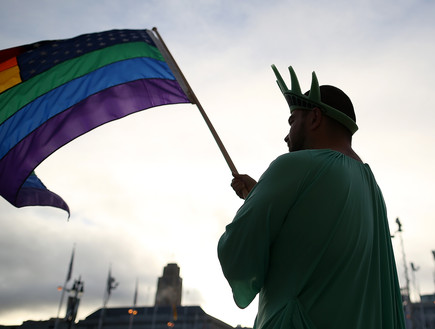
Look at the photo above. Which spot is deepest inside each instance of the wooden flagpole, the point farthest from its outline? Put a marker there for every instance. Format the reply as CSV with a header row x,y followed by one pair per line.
x,y
190,94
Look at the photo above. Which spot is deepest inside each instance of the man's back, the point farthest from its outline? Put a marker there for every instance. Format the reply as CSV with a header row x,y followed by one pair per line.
x,y
313,239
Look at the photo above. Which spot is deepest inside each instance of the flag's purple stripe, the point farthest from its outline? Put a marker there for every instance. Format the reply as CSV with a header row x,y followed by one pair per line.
x,y
29,196
108,105
34,193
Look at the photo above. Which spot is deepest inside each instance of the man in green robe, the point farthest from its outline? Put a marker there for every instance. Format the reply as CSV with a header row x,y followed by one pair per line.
x,y
312,236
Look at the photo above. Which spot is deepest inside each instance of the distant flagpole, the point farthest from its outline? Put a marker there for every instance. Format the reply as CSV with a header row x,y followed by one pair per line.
x,y
110,285
190,94
68,277
433,254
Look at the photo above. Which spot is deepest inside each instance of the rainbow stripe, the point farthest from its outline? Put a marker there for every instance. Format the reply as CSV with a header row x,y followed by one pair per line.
x,y
54,91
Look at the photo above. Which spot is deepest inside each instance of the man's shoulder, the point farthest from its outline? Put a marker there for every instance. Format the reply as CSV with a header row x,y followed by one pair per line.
x,y
307,156
298,161
291,168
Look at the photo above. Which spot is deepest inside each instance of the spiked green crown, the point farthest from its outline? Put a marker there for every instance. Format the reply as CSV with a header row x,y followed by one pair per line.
x,y
297,100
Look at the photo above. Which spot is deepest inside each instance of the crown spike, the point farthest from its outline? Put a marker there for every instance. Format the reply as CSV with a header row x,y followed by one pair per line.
x,y
296,88
315,89
279,79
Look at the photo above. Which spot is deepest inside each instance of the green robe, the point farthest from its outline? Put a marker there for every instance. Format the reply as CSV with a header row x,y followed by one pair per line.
x,y
312,239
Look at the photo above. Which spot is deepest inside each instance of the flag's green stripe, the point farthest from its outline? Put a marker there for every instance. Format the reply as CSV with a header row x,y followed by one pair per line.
x,y
15,98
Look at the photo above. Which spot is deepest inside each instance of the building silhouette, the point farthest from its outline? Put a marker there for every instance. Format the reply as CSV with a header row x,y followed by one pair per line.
x,y
169,287
154,317
423,313
167,312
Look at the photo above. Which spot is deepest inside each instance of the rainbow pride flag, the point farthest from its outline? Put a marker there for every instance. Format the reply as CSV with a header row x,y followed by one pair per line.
x,y
51,92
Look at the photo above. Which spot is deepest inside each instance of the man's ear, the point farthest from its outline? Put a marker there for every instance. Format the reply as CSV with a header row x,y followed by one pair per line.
x,y
316,118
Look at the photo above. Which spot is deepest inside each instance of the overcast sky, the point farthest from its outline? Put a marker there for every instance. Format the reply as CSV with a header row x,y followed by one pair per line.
x,y
153,188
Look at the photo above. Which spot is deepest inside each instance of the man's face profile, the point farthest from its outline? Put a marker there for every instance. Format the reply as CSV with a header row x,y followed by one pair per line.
x,y
297,135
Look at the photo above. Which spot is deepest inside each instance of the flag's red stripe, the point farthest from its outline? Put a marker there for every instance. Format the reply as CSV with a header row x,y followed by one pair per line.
x,y
7,54
8,64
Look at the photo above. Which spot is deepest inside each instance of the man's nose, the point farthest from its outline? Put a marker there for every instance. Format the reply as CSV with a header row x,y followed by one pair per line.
x,y
286,138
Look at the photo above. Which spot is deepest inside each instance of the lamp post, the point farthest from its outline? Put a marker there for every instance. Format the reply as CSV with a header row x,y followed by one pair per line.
x,y
133,311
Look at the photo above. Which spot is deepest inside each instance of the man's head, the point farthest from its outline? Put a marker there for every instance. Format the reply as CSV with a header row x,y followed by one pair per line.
x,y
325,107
303,123
313,98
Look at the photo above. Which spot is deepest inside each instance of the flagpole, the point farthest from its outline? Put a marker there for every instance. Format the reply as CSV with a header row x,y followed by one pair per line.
x,y
110,285
433,254
105,299
60,306
192,97
68,277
